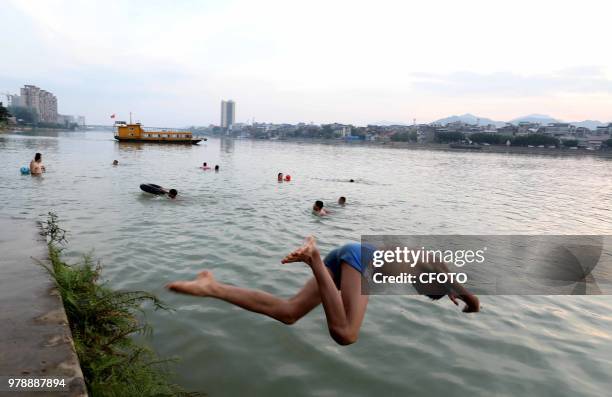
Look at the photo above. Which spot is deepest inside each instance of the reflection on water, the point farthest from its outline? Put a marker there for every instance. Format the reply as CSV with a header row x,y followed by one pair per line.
x,y
33,143
240,222
227,144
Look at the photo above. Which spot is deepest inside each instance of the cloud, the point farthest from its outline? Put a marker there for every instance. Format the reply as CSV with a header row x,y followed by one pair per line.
x,y
354,61
577,80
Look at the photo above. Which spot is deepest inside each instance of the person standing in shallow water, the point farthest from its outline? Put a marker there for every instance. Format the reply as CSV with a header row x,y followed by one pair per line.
x,y
36,165
336,283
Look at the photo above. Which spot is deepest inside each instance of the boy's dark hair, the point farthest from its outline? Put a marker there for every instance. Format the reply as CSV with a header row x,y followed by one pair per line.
x,y
172,192
217,167
433,291
342,198
37,156
204,164
319,203
279,174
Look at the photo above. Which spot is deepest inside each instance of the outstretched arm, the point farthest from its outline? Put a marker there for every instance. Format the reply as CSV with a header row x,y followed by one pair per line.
x,y
458,291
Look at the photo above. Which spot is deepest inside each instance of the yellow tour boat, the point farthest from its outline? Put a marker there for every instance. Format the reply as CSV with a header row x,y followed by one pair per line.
x,y
128,132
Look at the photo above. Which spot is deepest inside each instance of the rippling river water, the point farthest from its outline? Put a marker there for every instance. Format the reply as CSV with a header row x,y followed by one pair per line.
x,y
240,222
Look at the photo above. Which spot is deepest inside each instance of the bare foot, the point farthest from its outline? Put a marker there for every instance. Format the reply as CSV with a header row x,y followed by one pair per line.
x,y
203,285
303,254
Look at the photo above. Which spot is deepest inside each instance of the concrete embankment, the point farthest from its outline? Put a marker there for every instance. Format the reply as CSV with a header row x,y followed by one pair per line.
x,y
35,339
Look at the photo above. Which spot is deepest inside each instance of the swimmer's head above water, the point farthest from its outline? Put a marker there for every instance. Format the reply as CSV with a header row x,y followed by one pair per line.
x,y
115,162
342,200
172,193
318,209
280,176
351,180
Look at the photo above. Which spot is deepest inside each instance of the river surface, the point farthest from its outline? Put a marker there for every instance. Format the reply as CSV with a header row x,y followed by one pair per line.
x,y
240,222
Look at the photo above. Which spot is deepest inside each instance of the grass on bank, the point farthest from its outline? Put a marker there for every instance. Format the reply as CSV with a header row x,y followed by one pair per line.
x,y
102,321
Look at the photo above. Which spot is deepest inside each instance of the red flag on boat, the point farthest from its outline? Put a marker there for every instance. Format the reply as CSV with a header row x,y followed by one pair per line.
x,y
113,116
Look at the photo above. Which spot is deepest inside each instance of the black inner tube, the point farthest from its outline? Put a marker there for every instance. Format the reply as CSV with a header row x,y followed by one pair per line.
x,y
152,188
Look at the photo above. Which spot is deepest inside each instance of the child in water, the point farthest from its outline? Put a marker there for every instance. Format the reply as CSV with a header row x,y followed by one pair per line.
x,y
318,209
205,166
342,201
336,283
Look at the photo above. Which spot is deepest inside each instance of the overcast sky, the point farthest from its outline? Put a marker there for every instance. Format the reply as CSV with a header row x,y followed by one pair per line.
x,y
172,62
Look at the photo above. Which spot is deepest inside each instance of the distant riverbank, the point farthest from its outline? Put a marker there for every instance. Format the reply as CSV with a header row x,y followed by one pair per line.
x,y
32,128
445,147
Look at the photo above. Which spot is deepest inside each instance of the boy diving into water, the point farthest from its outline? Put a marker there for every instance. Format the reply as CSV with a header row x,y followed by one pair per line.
x,y
336,284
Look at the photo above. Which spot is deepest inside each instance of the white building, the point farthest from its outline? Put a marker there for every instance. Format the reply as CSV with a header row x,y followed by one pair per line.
x,y
13,100
345,131
42,102
228,114
558,129
604,129
65,120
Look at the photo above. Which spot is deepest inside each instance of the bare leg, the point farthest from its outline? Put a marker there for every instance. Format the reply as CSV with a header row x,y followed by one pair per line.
x,y
344,311
287,311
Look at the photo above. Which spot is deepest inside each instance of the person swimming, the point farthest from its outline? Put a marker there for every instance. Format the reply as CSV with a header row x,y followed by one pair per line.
x,y
351,180
217,168
280,177
158,190
205,166
115,162
342,201
318,209
336,283
36,165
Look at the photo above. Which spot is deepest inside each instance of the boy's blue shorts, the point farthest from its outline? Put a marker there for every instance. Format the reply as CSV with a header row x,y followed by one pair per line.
x,y
349,253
